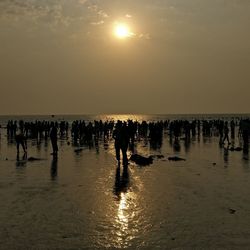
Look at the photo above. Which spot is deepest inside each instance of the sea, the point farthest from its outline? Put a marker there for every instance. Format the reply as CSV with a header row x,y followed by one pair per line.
x,y
123,117
83,199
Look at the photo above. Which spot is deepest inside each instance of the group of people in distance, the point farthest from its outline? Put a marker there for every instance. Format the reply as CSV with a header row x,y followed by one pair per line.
x,y
125,133
120,134
21,139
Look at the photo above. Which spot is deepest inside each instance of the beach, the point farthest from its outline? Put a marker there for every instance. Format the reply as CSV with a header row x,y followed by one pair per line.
x,y
82,199
124,125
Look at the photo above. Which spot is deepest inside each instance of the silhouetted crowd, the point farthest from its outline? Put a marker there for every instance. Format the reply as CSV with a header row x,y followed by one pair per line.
x,y
126,133
37,129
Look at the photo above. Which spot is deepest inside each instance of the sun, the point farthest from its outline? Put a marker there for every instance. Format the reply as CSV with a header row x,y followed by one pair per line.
x,y
122,31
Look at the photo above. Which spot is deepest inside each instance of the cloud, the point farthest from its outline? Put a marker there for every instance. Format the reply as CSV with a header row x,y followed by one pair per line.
x,y
56,15
99,12
144,36
51,12
102,13
98,23
83,1
128,16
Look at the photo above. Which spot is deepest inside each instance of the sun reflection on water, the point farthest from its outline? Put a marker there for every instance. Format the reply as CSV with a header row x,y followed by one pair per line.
x,y
125,117
122,215
125,219
125,222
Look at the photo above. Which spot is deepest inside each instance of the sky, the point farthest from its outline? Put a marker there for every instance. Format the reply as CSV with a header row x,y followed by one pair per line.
x,y
179,56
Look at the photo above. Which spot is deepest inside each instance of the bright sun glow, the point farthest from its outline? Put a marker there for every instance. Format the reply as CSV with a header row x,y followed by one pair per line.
x,y
122,31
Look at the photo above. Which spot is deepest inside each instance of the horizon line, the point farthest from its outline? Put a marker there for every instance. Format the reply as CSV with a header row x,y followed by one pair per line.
x,y
93,114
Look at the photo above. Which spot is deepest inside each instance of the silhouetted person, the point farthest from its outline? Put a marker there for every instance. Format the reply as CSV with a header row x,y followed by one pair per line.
x,y
221,130
245,134
232,125
53,138
121,137
21,139
226,132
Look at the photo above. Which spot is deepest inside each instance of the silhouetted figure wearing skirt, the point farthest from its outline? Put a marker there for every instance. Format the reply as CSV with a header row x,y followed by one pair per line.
x,y
53,138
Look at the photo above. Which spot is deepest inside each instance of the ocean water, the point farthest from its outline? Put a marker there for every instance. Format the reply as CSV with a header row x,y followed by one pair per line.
x,y
123,117
83,200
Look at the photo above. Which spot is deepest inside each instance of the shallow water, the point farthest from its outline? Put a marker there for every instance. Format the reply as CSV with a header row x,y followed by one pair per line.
x,y
123,117
85,201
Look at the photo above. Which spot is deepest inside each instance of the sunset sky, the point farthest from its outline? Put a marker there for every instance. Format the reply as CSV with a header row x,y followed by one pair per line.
x,y
124,56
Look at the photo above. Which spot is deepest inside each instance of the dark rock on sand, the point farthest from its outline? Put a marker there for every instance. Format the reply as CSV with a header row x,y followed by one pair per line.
x,y
175,158
231,211
157,156
78,150
236,149
141,160
34,159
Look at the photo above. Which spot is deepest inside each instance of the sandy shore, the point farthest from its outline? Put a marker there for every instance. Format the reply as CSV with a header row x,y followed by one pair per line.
x,y
83,201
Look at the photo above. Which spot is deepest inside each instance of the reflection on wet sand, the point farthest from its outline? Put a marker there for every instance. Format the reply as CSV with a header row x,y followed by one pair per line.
x,y
126,208
53,169
100,205
120,191
121,182
21,162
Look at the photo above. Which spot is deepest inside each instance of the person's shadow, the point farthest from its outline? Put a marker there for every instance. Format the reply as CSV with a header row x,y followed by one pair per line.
x,y
53,168
121,181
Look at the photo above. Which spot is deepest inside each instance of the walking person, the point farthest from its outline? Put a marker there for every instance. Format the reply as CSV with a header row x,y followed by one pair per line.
x,y
226,132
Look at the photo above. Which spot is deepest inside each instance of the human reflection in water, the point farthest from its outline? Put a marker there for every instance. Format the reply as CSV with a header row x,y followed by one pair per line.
x,y
226,154
21,162
121,181
53,169
246,151
177,145
187,144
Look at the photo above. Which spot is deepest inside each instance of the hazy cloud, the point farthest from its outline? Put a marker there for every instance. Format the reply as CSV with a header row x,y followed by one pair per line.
x,y
53,12
128,16
144,36
98,23
189,50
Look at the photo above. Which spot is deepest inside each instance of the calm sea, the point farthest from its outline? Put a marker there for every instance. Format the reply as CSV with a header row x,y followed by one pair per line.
x,y
139,117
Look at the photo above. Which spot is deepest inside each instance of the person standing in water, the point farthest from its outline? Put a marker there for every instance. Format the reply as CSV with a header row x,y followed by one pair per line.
x,y
226,132
21,139
53,139
121,137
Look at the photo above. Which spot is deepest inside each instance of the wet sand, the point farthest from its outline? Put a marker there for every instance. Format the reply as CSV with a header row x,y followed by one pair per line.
x,y
82,200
